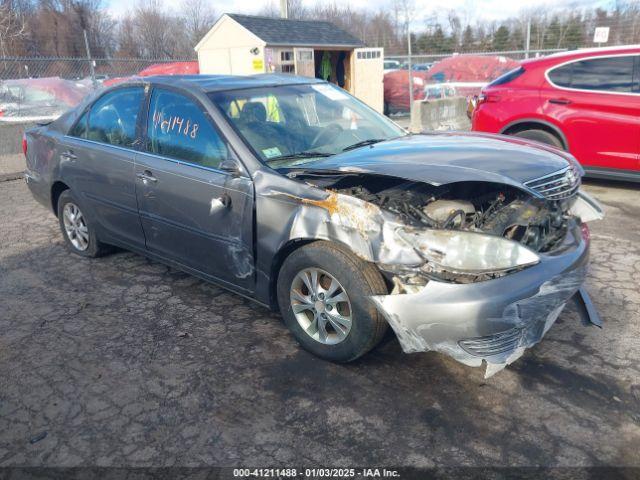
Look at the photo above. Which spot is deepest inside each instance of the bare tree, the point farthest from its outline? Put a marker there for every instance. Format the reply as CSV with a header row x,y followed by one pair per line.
x,y
296,10
198,17
269,9
407,11
12,28
160,35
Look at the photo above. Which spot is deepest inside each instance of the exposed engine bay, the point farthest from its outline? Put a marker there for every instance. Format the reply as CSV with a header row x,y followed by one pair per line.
x,y
495,209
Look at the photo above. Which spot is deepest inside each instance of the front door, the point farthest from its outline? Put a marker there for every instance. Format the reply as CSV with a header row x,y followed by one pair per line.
x,y
192,211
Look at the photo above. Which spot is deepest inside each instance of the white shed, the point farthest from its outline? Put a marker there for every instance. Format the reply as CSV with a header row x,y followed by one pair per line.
x,y
246,44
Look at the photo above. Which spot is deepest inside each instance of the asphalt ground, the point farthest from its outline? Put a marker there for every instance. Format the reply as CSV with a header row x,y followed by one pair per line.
x,y
121,361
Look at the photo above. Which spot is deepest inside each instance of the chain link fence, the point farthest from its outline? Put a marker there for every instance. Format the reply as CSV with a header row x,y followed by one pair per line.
x,y
75,68
426,58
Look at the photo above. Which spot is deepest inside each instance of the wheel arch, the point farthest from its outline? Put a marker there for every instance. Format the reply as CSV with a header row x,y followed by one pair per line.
x,y
535,124
279,257
56,190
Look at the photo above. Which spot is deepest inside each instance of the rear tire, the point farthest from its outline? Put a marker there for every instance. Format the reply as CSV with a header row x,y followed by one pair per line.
x,y
77,229
357,279
541,136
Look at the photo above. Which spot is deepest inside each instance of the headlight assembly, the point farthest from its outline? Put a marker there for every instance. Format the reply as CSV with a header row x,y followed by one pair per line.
x,y
468,252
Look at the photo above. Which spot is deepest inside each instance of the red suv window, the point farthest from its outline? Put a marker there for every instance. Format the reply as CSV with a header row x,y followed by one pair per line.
x,y
610,74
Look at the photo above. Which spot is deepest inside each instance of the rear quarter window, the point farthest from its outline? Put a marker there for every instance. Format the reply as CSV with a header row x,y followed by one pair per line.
x,y
112,118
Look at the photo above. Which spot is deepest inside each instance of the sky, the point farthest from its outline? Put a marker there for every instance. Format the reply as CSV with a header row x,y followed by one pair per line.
x,y
475,9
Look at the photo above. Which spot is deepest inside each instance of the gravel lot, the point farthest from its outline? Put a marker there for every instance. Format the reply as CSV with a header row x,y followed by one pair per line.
x,y
123,361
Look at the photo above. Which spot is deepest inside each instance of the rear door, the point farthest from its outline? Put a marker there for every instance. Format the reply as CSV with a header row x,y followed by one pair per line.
x,y
192,211
97,161
367,78
597,103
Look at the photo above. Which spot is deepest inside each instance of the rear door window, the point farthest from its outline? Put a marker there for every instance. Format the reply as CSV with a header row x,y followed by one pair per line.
x,y
112,119
610,74
178,128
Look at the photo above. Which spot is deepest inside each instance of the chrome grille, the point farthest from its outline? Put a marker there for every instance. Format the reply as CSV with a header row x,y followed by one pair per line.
x,y
492,344
557,185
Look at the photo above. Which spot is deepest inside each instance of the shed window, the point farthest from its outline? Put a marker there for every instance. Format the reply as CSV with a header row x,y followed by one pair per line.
x,y
369,54
286,56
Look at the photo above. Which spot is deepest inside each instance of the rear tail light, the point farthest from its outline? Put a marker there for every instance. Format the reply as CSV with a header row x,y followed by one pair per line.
x,y
488,98
24,145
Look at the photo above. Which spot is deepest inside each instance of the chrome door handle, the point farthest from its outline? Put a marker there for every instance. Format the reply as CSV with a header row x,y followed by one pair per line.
x,y
146,177
69,155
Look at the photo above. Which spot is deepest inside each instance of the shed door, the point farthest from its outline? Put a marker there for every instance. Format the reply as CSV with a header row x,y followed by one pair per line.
x,y
368,66
304,62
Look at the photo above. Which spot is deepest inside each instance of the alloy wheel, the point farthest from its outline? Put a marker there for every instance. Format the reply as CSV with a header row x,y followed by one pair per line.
x,y
75,226
321,306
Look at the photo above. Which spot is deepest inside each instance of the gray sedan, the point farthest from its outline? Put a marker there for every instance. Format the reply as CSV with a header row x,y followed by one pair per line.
x,y
291,192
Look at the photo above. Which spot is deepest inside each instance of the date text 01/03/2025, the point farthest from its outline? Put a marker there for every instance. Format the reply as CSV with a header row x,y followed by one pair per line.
x,y
315,472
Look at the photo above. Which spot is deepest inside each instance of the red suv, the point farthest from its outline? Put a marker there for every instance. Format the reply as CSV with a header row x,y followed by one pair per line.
x,y
585,101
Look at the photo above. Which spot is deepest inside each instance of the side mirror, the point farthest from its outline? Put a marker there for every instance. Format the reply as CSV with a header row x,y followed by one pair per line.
x,y
231,166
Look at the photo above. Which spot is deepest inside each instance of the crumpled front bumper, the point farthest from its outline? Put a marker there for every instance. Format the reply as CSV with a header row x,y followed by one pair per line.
x,y
495,320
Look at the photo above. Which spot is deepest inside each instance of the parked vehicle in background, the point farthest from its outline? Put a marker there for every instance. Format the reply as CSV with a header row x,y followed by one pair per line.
x,y
290,191
396,90
465,75
421,67
471,68
391,65
38,99
585,101
435,91
171,68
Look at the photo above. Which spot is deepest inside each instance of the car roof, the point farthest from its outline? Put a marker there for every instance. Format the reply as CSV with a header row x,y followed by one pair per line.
x,y
561,57
218,83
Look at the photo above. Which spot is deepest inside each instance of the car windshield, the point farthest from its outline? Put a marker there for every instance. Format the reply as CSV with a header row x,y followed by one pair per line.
x,y
290,125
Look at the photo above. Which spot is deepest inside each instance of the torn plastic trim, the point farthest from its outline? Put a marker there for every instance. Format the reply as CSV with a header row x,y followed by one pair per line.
x,y
586,308
586,208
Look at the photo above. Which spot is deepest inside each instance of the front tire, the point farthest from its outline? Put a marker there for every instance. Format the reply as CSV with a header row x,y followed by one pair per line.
x,y
323,294
77,229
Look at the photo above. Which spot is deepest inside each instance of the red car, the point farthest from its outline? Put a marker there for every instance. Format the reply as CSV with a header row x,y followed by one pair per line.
x,y
585,101
173,68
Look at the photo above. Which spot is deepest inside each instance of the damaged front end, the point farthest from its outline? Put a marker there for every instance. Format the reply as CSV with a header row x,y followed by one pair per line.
x,y
477,270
